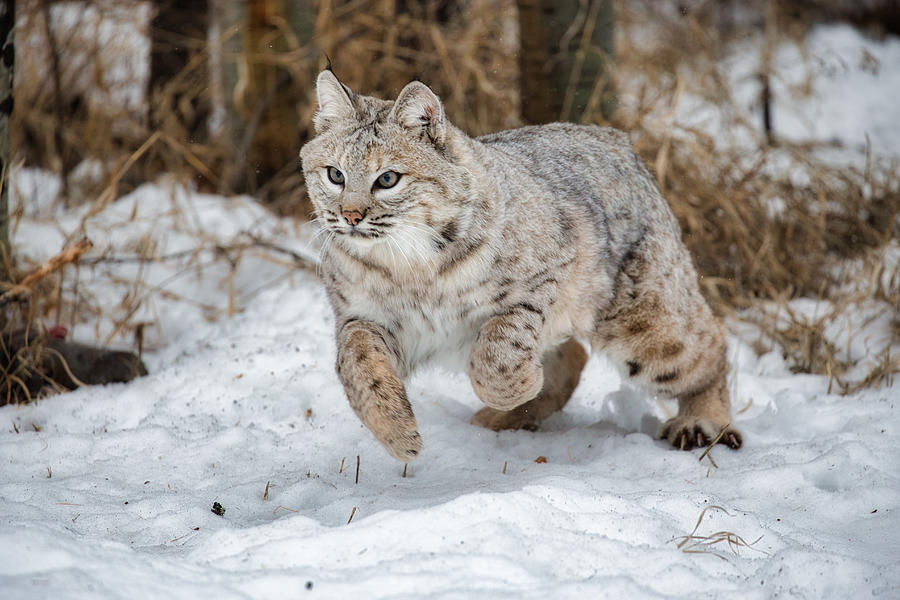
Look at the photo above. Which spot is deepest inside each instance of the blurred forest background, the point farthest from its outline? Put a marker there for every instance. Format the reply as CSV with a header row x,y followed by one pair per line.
x,y
110,94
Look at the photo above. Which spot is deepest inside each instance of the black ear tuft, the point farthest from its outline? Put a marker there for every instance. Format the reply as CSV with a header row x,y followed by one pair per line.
x,y
335,101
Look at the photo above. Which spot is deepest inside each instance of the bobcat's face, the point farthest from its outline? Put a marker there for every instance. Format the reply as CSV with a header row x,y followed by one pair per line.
x,y
368,184
379,185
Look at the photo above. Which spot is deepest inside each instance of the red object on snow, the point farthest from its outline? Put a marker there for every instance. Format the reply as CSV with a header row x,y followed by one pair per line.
x,y
59,332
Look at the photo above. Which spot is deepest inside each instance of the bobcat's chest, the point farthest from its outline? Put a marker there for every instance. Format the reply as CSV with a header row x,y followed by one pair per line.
x,y
434,322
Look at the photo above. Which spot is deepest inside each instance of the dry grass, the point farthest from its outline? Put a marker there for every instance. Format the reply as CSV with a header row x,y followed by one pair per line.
x,y
73,89
715,543
470,60
759,238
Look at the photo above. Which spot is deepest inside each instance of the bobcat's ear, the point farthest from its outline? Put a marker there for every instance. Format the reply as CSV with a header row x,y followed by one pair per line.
x,y
335,101
418,108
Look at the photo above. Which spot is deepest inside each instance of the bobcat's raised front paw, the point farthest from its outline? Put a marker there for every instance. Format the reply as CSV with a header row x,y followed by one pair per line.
x,y
687,433
503,386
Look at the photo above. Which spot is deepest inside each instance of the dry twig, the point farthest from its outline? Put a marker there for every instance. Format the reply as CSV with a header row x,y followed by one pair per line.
x,y
21,290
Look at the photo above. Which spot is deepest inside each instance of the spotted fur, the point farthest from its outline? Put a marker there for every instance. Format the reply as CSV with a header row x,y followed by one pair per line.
x,y
492,255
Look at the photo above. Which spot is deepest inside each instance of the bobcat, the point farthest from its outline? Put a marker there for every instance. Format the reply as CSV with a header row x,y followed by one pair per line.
x,y
494,254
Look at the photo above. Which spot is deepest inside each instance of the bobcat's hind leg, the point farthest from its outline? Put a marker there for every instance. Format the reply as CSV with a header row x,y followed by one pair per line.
x,y
685,357
672,343
698,377
367,366
562,370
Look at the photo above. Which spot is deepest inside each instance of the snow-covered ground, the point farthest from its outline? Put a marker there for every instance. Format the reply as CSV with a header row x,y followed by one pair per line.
x,y
235,406
107,492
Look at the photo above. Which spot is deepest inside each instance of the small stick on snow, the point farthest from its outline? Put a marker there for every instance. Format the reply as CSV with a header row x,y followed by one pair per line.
x,y
504,468
283,508
714,442
231,303
266,493
352,512
190,533
830,375
341,470
404,469
357,469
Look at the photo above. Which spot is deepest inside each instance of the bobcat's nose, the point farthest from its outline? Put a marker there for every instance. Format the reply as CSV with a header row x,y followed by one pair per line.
x,y
353,217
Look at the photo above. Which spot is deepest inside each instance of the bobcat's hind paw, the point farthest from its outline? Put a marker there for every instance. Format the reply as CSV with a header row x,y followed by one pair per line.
x,y
687,433
498,420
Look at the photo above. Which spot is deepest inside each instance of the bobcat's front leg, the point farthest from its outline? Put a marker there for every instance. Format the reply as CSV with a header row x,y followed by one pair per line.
x,y
504,365
367,364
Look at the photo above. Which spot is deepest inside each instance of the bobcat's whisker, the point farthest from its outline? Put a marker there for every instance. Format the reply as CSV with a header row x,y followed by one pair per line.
x,y
411,244
406,258
322,230
422,227
430,231
393,243
391,250
429,244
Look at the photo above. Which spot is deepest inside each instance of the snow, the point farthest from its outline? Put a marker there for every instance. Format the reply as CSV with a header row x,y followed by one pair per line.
x,y
107,491
841,59
112,495
136,468
833,86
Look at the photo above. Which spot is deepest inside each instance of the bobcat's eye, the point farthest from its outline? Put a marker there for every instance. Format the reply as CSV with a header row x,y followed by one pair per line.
x,y
335,176
388,179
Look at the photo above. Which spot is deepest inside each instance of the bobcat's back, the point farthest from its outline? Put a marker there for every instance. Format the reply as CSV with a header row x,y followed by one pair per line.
x,y
588,167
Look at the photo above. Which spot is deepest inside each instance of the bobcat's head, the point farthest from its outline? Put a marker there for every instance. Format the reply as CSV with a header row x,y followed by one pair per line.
x,y
383,176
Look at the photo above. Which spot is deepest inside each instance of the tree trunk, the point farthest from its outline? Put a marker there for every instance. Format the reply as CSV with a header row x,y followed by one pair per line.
x,y
179,86
264,121
7,62
566,60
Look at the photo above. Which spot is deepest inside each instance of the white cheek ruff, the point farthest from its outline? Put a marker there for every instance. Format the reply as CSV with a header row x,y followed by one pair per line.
x,y
409,251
